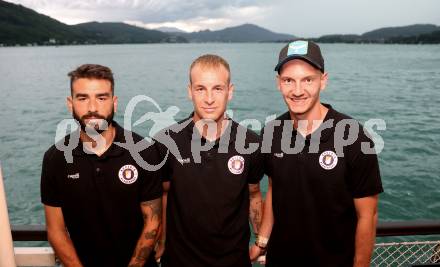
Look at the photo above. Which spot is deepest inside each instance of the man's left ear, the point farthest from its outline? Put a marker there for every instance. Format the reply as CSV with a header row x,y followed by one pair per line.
x,y
324,80
230,91
115,103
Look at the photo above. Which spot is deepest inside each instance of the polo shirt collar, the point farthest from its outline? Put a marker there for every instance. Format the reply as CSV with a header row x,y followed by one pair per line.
x,y
113,151
231,130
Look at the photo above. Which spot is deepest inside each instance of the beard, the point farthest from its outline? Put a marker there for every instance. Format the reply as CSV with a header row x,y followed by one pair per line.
x,y
98,127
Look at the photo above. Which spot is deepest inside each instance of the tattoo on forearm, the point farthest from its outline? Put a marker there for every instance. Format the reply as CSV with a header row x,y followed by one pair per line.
x,y
141,256
255,213
256,219
152,213
156,209
150,235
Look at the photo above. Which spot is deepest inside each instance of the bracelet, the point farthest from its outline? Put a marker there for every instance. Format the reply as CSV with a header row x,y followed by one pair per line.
x,y
262,240
260,246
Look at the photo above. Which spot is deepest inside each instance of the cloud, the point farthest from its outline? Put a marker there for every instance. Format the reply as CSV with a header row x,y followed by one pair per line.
x,y
221,18
147,11
299,17
319,17
190,25
186,15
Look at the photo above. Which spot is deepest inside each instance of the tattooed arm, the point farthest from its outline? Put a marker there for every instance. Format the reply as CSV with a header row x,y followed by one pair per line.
x,y
255,206
265,227
152,212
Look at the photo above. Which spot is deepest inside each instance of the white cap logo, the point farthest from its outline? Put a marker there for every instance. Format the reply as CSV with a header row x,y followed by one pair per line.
x,y
128,174
328,160
236,164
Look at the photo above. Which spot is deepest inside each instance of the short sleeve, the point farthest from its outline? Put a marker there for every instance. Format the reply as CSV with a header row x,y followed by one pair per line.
x,y
267,163
50,193
151,186
365,179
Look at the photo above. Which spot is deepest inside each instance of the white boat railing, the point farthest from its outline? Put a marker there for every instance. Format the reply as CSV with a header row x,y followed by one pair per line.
x,y
7,258
34,256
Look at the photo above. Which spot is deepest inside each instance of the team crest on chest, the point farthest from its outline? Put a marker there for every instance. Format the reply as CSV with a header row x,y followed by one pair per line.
x,y
328,160
236,164
128,174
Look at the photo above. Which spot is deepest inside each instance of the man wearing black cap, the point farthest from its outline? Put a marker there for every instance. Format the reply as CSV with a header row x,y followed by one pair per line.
x,y
321,204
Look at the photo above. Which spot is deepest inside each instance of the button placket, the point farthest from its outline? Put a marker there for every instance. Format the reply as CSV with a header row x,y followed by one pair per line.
x,y
98,169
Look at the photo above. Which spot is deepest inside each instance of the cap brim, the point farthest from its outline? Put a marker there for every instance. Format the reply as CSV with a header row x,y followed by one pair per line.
x,y
311,62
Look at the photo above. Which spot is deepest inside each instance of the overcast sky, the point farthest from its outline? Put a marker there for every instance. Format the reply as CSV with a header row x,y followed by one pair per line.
x,y
298,17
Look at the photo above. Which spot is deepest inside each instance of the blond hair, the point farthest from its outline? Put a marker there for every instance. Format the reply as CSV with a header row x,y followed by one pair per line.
x,y
210,61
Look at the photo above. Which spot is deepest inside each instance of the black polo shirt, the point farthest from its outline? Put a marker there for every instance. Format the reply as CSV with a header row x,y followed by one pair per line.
x,y
100,199
208,202
314,213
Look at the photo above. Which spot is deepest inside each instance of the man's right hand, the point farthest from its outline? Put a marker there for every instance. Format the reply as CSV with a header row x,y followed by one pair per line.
x,y
256,255
254,252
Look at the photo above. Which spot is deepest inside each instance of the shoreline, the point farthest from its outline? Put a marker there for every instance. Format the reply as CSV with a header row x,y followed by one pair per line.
x,y
201,43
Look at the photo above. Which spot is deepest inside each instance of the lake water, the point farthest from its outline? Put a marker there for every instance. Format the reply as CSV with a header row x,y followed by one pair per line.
x,y
397,83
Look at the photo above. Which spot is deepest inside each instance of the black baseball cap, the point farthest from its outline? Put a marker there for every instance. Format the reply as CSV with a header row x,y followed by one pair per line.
x,y
301,49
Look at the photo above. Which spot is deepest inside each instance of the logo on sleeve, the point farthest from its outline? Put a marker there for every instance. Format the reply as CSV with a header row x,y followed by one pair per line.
x,y
128,174
236,164
328,160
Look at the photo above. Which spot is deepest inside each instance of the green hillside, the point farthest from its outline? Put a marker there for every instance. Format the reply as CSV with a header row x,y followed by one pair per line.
x,y
21,26
241,33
